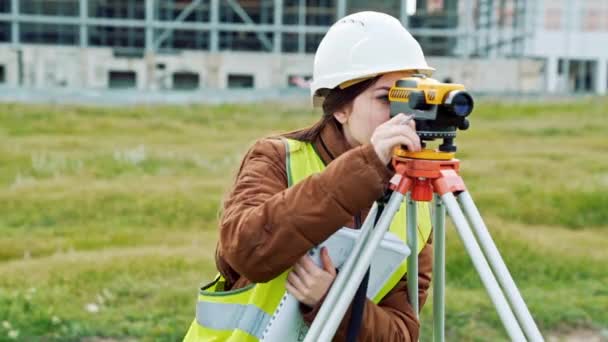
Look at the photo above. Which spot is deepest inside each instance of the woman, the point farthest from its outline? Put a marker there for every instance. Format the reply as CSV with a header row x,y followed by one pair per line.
x,y
293,192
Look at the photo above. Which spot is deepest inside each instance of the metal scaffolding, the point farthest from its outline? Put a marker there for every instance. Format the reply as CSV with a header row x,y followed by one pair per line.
x,y
456,28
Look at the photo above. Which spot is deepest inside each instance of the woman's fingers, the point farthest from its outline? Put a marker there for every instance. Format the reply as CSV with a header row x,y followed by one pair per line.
x,y
402,141
309,266
295,292
384,144
307,269
412,124
403,131
388,137
308,282
296,282
301,286
399,130
328,266
301,272
397,120
401,119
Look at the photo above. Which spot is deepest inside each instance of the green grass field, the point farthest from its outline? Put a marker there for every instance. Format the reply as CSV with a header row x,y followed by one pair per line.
x,y
108,216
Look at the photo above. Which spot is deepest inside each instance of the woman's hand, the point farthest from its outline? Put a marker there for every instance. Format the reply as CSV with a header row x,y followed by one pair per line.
x,y
308,282
400,130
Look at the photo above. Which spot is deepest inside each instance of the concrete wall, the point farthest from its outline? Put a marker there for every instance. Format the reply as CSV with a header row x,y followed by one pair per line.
x,y
8,58
571,29
495,75
71,67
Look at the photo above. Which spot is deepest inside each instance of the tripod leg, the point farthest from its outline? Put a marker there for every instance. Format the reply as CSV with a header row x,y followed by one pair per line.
x,y
325,312
438,270
365,257
483,269
412,260
500,269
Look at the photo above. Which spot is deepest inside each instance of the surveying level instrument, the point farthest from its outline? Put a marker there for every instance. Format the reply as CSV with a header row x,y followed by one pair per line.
x,y
440,109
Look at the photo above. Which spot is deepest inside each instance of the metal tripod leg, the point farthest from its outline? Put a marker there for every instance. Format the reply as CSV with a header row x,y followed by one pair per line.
x,y
324,330
412,259
325,312
341,293
483,269
500,269
438,270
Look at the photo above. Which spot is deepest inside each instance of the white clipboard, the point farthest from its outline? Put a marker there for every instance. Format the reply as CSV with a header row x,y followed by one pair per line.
x,y
287,324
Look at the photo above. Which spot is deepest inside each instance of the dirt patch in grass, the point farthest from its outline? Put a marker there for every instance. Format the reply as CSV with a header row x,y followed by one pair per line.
x,y
579,335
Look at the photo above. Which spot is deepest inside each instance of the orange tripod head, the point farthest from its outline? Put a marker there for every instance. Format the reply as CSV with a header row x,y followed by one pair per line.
x,y
425,172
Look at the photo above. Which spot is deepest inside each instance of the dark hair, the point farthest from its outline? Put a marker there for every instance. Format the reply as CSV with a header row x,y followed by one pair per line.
x,y
335,99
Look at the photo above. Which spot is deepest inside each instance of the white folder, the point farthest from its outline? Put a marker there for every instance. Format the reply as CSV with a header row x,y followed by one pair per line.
x,y
287,325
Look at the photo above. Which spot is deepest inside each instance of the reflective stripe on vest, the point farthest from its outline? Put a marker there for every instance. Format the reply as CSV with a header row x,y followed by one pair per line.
x,y
243,314
220,316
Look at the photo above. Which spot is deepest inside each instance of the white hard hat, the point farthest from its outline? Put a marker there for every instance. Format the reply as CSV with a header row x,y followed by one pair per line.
x,y
363,45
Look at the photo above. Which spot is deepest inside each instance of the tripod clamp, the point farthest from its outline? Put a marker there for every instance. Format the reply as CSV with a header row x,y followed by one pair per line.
x,y
426,172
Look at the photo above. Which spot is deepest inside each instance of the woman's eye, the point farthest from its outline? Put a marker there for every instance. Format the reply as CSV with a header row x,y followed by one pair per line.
x,y
383,98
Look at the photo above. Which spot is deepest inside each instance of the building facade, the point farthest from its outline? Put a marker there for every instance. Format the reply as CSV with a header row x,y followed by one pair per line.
x,y
204,44
572,36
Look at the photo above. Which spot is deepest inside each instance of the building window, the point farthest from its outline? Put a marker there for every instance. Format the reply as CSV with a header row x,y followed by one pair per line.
x,y
49,33
592,20
316,12
321,12
506,14
291,12
299,81
184,80
260,12
122,79
184,39
2,74
127,52
50,7
240,81
290,42
5,31
125,9
169,10
132,37
437,45
5,6
387,6
590,75
553,19
312,41
245,41
582,75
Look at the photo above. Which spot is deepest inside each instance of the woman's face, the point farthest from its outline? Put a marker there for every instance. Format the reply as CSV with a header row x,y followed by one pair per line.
x,y
368,110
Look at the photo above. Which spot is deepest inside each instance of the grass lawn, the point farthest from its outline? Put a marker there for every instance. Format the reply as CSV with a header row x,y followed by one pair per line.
x,y
108,215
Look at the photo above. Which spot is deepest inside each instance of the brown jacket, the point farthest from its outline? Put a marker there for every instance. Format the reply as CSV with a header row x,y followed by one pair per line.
x,y
266,227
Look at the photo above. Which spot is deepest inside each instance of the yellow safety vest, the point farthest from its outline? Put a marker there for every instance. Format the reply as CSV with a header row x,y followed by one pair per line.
x,y
243,314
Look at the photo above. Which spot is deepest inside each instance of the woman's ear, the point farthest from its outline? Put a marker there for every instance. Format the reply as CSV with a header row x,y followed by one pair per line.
x,y
342,116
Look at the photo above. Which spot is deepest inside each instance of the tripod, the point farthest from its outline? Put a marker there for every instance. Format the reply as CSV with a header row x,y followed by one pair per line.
x,y
420,176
